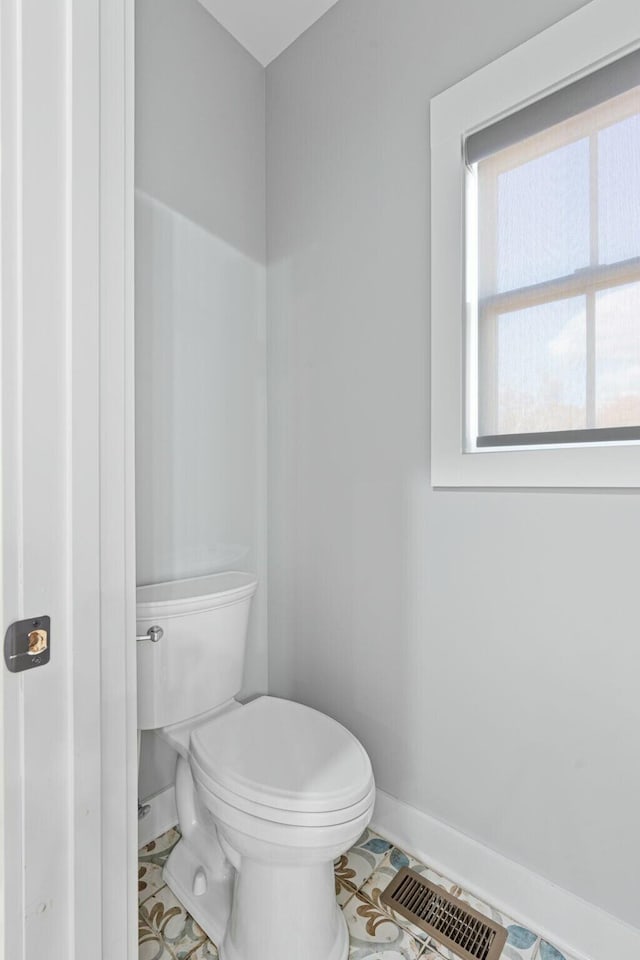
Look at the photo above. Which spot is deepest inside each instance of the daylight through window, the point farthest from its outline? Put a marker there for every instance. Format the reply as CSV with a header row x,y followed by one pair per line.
x,y
553,267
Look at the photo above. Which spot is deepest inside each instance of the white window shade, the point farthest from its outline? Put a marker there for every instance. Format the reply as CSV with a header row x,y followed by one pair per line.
x,y
554,293
604,84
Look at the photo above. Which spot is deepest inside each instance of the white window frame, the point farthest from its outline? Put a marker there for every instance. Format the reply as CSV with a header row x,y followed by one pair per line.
x,y
598,33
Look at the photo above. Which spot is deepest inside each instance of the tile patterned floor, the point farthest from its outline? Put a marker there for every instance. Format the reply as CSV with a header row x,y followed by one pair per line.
x,y
167,932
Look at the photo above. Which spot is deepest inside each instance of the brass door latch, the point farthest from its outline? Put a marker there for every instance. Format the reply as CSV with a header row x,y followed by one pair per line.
x,y
27,644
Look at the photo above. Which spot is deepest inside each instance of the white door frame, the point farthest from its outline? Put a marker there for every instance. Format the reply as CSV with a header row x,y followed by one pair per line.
x,y
117,521
68,746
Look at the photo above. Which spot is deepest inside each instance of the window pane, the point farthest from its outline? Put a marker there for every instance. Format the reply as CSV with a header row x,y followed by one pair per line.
x,y
560,211
618,356
619,191
539,360
543,218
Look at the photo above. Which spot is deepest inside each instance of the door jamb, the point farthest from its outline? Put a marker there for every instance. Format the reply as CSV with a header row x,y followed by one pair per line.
x,y
117,460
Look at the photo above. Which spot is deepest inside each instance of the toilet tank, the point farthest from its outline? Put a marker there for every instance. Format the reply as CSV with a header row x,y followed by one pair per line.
x,y
198,662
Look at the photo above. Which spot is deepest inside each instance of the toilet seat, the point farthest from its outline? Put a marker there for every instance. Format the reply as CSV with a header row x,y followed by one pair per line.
x,y
283,762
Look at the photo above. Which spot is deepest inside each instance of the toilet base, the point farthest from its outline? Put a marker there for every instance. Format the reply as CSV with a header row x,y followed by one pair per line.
x,y
284,912
183,873
287,921
339,951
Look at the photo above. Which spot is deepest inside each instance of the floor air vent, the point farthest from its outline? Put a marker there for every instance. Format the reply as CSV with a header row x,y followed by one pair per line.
x,y
445,918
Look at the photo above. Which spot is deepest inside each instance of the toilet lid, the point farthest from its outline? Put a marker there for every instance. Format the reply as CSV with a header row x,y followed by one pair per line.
x,y
283,755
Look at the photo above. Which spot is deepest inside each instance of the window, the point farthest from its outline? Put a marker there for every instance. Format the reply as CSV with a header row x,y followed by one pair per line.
x,y
554,240
535,314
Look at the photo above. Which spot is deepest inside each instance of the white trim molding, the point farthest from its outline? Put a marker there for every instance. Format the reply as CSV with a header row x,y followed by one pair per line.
x,y
581,929
117,483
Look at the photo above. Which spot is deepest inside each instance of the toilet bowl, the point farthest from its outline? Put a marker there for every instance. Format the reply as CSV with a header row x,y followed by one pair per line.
x,y
268,793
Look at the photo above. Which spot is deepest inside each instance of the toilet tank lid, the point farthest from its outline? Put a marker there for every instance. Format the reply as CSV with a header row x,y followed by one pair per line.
x,y
175,597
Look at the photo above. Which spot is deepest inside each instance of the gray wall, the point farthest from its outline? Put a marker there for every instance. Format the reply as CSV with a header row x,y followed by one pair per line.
x,y
484,646
200,315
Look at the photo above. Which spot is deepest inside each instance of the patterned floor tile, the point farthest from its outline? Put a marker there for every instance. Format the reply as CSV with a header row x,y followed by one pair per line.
x,y
160,848
167,932
546,951
149,880
151,860
358,863
150,944
373,934
205,951
166,915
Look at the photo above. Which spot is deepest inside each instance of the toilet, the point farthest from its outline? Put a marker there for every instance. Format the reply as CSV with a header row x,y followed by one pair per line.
x,y
268,792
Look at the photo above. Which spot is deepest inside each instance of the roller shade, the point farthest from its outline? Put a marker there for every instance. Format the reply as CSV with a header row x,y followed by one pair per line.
x,y
597,87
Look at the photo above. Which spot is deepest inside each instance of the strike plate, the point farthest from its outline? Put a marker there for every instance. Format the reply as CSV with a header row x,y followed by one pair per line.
x,y
27,644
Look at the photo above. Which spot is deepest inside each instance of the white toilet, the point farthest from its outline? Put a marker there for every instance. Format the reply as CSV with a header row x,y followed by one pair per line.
x,y
268,793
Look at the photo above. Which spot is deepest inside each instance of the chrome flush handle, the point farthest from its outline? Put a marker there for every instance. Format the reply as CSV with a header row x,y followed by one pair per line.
x,y
153,633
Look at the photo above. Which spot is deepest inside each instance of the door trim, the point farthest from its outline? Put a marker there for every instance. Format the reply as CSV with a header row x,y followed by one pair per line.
x,y
117,455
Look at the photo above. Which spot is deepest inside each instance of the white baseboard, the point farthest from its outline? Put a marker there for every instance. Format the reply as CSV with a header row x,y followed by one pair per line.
x,y
576,927
161,817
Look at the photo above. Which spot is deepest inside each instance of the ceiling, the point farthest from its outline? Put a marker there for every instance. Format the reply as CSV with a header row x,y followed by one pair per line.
x,y
266,27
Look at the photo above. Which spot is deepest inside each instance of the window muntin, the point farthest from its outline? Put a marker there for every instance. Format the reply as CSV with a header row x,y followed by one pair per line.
x,y
554,299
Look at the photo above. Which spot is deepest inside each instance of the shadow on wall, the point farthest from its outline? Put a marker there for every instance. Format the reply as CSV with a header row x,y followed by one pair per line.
x,y
200,422
199,306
